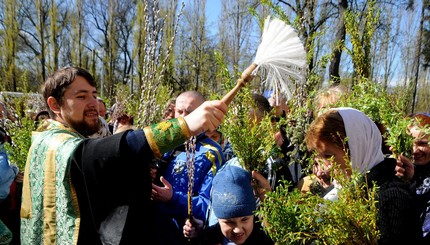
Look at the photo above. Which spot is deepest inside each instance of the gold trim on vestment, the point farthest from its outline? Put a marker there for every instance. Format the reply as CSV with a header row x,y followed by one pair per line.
x,y
26,195
184,127
151,141
166,135
78,211
50,191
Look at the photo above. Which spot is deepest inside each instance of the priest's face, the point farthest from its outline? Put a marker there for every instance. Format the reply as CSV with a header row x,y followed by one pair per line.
x,y
79,109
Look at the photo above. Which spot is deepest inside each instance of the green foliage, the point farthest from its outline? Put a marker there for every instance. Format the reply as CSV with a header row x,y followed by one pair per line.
x,y
372,100
297,218
20,132
131,103
125,98
21,129
423,103
400,140
361,32
387,113
252,141
224,73
401,97
296,123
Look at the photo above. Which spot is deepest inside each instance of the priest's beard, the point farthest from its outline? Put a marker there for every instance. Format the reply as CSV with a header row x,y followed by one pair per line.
x,y
83,127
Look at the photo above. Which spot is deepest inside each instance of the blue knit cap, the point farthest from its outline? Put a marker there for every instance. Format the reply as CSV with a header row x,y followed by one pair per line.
x,y
232,193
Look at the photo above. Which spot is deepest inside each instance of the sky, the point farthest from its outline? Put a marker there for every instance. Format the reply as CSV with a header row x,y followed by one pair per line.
x,y
213,8
408,24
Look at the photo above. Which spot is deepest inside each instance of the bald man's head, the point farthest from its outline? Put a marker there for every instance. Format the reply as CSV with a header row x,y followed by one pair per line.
x,y
187,102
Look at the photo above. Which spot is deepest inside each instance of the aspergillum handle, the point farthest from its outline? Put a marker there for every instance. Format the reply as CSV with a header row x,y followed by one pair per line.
x,y
241,82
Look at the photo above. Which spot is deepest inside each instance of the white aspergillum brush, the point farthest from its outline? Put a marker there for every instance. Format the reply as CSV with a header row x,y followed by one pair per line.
x,y
280,60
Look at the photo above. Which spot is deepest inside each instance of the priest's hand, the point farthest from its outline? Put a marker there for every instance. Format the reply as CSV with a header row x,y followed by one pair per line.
x,y
207,117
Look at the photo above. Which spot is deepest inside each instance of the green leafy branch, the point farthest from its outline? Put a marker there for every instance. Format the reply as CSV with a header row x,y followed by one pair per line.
x,y
297,218
400,140
253,142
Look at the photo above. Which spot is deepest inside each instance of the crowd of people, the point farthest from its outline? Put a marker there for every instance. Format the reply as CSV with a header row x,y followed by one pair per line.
x,y
92,177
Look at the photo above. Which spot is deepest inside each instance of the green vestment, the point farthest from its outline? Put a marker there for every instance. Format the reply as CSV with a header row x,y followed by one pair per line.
x,y
49,210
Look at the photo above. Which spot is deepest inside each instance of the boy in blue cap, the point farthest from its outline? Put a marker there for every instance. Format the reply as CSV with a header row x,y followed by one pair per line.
x,y
233,203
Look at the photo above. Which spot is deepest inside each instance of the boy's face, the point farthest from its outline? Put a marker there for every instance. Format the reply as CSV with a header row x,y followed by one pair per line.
x,y
80,107
238,229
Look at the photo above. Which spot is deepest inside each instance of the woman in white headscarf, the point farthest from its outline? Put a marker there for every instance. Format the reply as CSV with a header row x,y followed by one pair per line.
x,y
347,137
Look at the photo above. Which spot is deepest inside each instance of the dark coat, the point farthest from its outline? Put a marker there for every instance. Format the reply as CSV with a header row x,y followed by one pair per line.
x,y
398,218
422,182
102,185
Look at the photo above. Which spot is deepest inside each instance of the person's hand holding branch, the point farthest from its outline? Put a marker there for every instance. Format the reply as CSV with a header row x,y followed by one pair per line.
x,y
263,185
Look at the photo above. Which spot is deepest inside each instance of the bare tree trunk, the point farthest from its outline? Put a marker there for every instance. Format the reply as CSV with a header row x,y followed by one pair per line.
x,y
54,39
339,42
41,32
77,23
417,59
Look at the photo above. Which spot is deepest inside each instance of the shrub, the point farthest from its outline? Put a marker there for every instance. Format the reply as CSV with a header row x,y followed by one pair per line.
x,y
297,218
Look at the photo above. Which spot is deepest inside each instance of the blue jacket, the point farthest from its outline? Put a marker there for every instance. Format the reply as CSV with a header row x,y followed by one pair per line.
x,y
208,159
7,173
